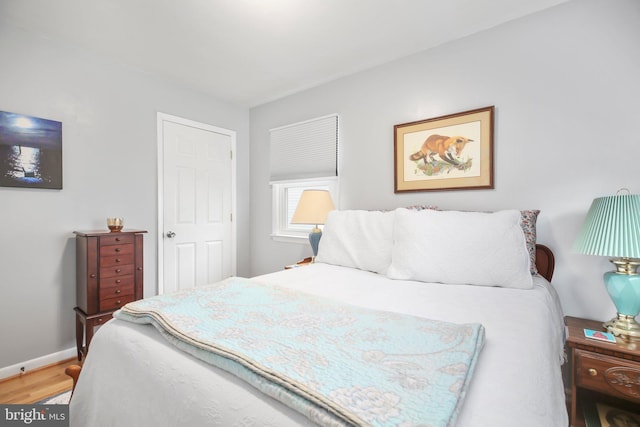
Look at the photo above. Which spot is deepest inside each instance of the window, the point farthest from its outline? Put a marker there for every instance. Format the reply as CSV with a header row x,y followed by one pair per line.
x,y
303,156
285,199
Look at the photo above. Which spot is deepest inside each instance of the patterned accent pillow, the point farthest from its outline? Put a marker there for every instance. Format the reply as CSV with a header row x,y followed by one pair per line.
x,y
528,220
421,208
411,208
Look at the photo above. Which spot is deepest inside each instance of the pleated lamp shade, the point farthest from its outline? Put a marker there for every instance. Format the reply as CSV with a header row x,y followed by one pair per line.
x,y
612,227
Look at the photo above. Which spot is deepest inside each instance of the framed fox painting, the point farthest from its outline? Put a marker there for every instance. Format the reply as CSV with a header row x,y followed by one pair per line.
x,y
453,152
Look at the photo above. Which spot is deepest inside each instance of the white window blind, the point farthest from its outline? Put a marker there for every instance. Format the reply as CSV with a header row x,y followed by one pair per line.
x,y
305,150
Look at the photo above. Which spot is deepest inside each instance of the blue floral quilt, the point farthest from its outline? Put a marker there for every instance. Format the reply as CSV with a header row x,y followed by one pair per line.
x,y
335,363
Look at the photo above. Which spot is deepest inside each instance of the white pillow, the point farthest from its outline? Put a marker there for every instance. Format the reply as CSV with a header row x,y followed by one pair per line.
x,y
357,239
475,248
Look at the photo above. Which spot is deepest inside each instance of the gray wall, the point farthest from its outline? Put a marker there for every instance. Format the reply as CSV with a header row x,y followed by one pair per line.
x,y
108,114
566,87
566,90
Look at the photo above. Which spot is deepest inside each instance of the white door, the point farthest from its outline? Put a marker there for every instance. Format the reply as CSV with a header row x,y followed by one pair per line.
x,y
196,204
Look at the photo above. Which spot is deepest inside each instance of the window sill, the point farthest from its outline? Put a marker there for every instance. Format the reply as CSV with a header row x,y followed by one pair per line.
x,y
288,238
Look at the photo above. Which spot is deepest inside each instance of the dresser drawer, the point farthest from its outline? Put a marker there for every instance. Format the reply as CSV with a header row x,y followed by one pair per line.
x,y
116,270
110,282
103,319
118,290
116,239
110,250
115,303
112,261
608,374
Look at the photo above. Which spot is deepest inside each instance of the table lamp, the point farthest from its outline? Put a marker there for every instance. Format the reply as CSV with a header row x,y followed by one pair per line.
x,y
313,208
612,229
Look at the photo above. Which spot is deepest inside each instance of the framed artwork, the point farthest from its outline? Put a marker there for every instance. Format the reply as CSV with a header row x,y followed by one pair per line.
x,y
453,152
30,152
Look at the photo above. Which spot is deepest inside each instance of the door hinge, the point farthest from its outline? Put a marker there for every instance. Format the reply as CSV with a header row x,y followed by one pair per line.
x,y
231,155
231,217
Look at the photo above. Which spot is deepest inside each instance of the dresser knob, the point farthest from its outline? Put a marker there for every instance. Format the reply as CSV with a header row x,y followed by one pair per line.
x,y
100,320
117,249
118,302
592,372
118,291
118,270
118,260
92,275
117,239
139,268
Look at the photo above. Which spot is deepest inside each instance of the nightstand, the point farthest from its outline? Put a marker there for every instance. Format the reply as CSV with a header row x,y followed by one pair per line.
x,y
602,371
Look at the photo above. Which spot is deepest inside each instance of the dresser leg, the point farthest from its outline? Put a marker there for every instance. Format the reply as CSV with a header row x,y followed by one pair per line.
x,y
79,333
91,324
85,327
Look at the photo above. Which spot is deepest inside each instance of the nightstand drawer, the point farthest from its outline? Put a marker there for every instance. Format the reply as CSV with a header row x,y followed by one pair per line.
x,y
607,374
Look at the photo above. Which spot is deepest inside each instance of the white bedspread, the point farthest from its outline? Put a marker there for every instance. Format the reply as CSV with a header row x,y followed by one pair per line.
x,y
133,377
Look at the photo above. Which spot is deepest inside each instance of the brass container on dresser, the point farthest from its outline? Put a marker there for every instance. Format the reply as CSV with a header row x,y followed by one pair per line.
x,y
109,274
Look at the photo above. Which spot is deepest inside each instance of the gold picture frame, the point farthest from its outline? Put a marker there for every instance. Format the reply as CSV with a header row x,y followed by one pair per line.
x,y
453,152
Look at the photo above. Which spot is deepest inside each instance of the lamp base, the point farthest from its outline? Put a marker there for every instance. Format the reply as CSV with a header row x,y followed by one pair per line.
x,y
625,327
623,286
314,240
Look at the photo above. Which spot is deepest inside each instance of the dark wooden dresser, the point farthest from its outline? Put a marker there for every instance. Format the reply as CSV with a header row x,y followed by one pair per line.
x,y
109,274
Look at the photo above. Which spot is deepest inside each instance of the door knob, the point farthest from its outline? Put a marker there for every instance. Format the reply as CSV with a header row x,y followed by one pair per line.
x,y
171,234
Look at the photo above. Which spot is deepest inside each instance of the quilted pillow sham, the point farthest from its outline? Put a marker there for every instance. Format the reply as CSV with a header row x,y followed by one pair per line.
x,y
528,219
475,248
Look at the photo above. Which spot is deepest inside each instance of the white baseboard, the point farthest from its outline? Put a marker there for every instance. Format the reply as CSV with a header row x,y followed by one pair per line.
x,y
39,362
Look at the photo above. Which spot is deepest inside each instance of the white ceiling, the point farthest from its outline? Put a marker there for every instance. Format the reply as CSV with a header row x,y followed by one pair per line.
x,y
249,52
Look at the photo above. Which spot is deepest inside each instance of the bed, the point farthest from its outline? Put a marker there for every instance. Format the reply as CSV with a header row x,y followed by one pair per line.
x,y
378,264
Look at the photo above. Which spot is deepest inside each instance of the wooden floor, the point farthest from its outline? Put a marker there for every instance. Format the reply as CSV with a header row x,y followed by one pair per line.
x,y
37,384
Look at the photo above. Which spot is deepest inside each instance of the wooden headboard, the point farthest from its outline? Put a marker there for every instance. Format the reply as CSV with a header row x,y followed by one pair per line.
x,y
545,261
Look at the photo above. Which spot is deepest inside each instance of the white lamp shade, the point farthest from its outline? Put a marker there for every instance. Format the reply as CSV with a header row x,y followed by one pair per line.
x,y
313,207
612,227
